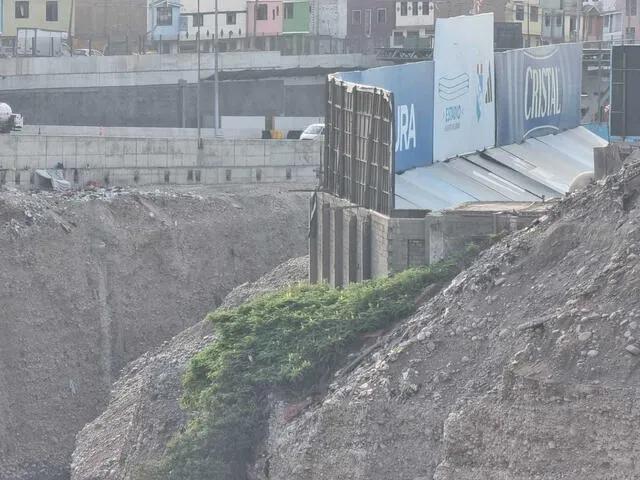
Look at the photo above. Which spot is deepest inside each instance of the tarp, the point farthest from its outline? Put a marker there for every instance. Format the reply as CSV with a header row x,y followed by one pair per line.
x,y
54,179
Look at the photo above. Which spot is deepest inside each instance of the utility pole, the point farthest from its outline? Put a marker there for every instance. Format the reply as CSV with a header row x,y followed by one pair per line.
x,y
198,87
216,80
69,37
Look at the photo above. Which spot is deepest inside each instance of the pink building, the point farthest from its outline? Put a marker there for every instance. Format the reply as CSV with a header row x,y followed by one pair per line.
x,y
264,17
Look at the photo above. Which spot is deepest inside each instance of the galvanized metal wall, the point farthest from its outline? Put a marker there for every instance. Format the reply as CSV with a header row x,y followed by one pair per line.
x,y
537,91
359,158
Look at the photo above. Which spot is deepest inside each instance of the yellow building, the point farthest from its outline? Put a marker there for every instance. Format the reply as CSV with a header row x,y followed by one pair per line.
x,y
529,14
50,15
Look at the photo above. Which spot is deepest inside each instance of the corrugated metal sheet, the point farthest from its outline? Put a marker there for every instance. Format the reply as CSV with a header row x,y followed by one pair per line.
x,y
537,168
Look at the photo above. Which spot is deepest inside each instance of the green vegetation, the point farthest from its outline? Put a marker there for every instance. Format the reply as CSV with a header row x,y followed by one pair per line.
x,y
289,343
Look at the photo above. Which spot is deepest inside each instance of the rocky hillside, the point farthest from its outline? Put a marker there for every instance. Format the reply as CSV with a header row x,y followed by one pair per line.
x,y
91,281
144,412
525,367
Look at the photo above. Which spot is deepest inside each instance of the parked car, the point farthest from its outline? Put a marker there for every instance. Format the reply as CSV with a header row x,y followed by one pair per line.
x,y
85,52
313,132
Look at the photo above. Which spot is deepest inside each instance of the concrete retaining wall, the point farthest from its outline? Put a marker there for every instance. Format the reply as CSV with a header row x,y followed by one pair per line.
x,y
129,161
349,243
166,106
25,73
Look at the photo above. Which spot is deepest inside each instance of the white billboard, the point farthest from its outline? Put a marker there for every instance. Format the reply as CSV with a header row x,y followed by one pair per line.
x,y
463,101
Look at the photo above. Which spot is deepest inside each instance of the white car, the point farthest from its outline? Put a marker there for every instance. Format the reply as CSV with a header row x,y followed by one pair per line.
x,y
313,132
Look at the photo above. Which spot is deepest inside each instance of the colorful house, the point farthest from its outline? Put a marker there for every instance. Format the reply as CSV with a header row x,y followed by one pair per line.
x,y
295,18
163,20
232,19
34,15
531,16
264,17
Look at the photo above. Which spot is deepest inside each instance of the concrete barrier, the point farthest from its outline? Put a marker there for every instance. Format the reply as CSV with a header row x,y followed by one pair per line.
x,y
25,73
143,161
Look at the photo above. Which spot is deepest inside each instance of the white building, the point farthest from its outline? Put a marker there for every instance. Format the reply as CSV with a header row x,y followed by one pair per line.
x,y
232,19
414,21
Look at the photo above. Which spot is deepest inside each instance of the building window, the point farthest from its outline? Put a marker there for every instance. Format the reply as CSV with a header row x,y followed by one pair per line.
x,y
559,20
398,39
520,12
22,9
288,10
414,8
231,18
632,7
52,11
572,24
533,14
165,16
382,15
198,20
425,8
403,9
262,11
606,21
184,23
356,17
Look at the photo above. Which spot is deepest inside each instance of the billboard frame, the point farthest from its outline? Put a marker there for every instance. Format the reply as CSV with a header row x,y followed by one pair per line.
x,y
359,141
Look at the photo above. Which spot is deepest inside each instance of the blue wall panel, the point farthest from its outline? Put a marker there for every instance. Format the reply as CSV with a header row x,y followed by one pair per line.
x,y
537,91
412,88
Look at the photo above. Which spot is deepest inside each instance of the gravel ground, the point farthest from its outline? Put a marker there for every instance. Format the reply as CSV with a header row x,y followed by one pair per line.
x,y
524,367
144,411
92,280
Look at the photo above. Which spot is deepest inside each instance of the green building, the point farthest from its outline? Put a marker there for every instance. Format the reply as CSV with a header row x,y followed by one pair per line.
x,y
296,16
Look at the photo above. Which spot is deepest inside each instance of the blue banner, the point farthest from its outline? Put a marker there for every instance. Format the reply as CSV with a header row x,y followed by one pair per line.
x,y
412,88
537,91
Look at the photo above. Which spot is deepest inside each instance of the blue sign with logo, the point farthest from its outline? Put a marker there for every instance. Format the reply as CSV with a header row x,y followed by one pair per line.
x,y
537,91
412,88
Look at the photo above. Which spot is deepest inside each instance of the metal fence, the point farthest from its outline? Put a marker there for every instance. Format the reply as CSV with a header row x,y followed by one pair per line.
x,y
359,156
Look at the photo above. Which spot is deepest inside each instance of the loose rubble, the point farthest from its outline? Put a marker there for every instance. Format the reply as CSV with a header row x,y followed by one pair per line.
x,y
92,280
144,411
524,367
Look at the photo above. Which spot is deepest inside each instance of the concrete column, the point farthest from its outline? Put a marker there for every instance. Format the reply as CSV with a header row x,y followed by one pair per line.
x,y
313,239
434,238
325,234
606,161
182,103
338,247
353,249
366,248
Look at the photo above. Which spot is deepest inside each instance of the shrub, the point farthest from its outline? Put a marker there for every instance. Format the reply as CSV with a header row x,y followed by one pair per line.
x,y
290,342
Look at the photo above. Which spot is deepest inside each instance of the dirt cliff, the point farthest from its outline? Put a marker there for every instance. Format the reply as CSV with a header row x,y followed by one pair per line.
x,y
92,281
525,367
144,411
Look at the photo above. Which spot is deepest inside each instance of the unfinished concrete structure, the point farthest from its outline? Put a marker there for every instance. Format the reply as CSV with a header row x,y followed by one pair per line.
x,y
349,243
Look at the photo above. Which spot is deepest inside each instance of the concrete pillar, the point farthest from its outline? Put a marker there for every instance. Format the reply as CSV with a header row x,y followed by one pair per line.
x,y
353,249
366,248
606,161
313,239
182,103
434,236
338,247
325,234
